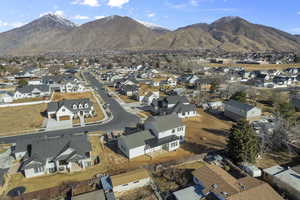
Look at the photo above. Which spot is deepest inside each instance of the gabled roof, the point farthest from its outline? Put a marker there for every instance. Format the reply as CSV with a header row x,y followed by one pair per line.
x,y
239,105
129,177
29,88
136,139
51,148
68,103
164,123
217,181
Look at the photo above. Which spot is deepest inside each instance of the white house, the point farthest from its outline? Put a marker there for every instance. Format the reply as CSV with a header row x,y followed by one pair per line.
x,y
31,91
130,180
6,97
149,98
161,133
70,109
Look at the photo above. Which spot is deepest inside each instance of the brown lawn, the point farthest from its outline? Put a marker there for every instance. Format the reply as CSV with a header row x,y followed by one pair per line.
x,y
31,99
202,132
206,132
20,119
90,95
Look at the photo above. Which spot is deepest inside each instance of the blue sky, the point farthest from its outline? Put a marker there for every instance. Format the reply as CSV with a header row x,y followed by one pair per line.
x,y
282,14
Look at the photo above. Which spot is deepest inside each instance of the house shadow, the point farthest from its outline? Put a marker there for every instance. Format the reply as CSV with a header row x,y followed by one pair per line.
x,y
113,146
220,116
216,131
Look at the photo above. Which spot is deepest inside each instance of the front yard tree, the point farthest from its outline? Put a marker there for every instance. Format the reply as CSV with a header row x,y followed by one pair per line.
x,y
243,145
22,83
240,96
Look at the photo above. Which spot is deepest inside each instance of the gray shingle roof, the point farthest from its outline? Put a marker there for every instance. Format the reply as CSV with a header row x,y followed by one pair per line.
x,y
164,123
136,139
239,105
68,103
29,88
51,148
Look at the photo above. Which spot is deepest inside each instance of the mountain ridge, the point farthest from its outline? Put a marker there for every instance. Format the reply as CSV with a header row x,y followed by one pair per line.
x,y
52,33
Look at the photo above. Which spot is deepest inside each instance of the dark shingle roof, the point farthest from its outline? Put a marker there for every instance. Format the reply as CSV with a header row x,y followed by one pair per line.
x,y
136,139
164,123
239,105
30,88
43,149
68,103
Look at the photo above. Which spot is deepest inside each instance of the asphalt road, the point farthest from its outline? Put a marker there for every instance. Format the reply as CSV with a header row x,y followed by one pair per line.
x,y
121,118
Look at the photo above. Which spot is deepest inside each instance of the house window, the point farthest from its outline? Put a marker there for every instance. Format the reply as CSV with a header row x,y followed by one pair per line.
x,y
174,144
80,106
74,107
86,105
173,131
38,169
180,129
63,110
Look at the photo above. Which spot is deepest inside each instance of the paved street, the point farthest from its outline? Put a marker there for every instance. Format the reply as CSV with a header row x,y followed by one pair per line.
x,y
121,118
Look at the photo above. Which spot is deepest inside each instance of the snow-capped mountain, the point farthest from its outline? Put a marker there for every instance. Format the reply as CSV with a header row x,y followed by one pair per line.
x,y
153,27
59,19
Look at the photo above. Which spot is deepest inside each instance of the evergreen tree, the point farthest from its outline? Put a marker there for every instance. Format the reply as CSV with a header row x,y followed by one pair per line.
x,y
243,145
240,96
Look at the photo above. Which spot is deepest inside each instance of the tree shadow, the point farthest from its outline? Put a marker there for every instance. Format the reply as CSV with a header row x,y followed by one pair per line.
x,y
219,115
18,191
197,148
217,131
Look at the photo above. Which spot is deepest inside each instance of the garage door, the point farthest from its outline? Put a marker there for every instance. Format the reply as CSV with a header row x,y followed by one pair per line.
x,y
64,118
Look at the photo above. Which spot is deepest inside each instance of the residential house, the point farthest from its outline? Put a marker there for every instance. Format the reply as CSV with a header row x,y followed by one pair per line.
x,y
203,84
130,180
70,109
6,97
27,72
66,83
285,178
160,133
129,90
149,97
170,82
49,155
214,183
236,111
173,104
31,91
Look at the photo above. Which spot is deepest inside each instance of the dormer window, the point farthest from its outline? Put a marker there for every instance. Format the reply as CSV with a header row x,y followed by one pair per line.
x,y
86,105
74,106
80,106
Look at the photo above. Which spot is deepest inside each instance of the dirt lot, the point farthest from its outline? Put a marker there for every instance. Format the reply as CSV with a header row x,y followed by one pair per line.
x,y
206,132
21,118
279,158
255,67
100,114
